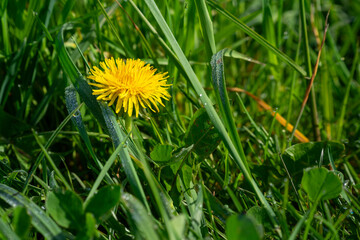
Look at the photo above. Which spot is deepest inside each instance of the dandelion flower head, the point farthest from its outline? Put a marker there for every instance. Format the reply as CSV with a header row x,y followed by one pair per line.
x,y
130,83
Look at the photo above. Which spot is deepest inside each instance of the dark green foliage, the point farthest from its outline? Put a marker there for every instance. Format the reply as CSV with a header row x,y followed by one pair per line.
x,y
211,164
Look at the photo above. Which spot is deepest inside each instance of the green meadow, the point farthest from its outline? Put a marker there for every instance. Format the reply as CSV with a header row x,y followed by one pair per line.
x,y
217,119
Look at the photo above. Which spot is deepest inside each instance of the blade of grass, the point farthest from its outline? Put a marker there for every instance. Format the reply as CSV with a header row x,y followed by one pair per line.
x,y
118,136
347,93
311,83
6,231
314,114
76,77
5,32
219,84
47,145
71,104
105,169
47,156
42,222
127,53
207,27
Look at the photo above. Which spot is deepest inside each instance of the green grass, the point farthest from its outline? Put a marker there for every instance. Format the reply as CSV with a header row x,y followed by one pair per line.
x,y
212,164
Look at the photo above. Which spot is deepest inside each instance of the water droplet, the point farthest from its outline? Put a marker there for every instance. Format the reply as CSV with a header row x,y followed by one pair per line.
x,y
200,94
205,104
101,139
19,85
342,59
76,114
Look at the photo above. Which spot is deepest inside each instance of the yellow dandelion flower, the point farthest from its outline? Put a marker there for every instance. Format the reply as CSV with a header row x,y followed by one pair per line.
x,y
132,82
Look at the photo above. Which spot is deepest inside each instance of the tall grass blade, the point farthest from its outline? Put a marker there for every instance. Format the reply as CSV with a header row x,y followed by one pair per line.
x,y
208,104
42,222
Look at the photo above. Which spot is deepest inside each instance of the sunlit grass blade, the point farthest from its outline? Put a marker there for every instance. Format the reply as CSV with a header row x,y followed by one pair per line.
x,y
6,231
207,27
208,104
346,97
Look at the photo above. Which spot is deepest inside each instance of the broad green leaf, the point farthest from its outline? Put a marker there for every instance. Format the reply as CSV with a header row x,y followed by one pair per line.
x,y
21,222
303,155
240,227
66,209
88,231
202,134
103,201
161,153
320,183
259,215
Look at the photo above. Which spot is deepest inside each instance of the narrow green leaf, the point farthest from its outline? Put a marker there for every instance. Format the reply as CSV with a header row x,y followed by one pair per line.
x,y
71,105
161,153
6,232
207,27
219,84
44,224
140,218
47,145
242,227
120,139
76,77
